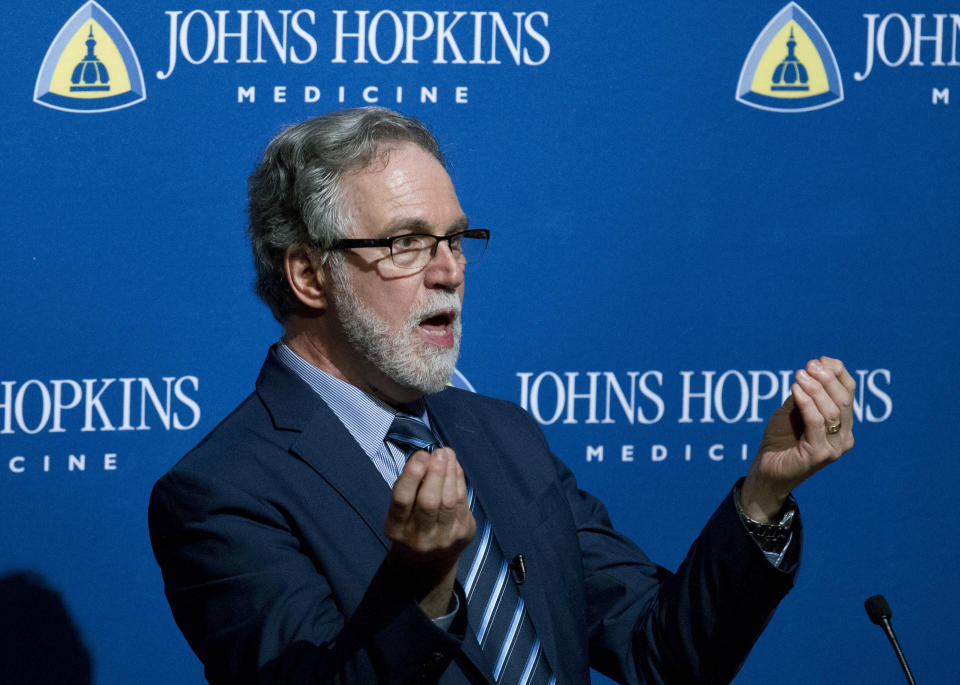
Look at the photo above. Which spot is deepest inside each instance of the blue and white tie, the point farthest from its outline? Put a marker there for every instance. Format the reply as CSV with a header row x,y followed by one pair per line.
x,y
496,610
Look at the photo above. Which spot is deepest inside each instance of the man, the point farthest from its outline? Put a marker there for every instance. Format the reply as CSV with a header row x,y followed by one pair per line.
x,y
307,539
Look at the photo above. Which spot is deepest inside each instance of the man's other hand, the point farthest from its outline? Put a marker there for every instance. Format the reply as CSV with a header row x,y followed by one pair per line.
x,y
812,429
429,523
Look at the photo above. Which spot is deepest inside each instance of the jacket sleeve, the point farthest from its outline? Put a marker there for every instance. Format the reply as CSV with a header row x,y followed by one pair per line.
x,y
256,609
648,625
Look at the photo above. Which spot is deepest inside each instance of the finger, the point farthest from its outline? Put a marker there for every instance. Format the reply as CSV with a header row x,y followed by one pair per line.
x,y
814,389
430,493
837,368
812,418
843,399
449,494
405,488
842,387
462,496
447,510
838,384
461,492
464,514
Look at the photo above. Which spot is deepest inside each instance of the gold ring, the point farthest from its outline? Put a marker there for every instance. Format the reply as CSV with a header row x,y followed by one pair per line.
x,y
834,429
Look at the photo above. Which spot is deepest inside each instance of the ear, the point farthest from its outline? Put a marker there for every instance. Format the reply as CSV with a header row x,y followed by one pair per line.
x,y
305,277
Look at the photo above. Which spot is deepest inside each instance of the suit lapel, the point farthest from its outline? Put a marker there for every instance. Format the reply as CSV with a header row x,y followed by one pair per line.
x,y
321,440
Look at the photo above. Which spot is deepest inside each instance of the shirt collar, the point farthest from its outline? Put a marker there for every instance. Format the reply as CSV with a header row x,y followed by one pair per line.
x,y
367,418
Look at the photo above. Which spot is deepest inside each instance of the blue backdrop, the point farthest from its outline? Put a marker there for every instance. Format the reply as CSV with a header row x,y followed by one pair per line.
x,y
684,208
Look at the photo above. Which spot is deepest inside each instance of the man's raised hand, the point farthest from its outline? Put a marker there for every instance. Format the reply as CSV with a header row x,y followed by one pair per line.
x,y
429,523
813,428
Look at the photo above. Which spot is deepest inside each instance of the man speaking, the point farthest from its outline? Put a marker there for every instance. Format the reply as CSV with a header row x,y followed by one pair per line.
x,y
355,520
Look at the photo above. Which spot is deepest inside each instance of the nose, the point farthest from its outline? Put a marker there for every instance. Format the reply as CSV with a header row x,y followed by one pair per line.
x,y
444,270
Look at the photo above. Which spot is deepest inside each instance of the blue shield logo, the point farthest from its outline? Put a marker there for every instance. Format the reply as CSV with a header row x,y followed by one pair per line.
x,y
90,66
791,67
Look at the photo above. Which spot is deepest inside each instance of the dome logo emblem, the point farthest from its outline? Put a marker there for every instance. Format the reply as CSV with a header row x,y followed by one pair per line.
x,y
791,67
90,66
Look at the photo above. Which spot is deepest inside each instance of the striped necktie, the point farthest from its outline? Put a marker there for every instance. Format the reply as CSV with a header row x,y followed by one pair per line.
x,y
496,610
412,434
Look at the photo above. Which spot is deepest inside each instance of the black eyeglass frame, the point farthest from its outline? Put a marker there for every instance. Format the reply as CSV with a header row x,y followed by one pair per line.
x,y
470,233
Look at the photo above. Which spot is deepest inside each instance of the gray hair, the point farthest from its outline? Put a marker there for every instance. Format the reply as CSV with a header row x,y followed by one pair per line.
x,y
296,192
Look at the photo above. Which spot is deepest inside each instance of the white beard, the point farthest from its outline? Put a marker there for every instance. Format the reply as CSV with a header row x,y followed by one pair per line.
x,y
403,356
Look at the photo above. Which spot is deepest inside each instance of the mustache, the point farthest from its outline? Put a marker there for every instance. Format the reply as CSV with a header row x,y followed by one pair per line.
x,y
439,301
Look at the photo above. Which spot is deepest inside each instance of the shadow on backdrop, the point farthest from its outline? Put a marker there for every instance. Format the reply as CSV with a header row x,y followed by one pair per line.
x,y
39,645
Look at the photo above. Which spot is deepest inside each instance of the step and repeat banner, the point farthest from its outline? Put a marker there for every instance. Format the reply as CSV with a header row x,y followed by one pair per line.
x,y
686,203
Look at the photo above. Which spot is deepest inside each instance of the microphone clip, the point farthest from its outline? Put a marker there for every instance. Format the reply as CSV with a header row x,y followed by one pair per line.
x,y
519,568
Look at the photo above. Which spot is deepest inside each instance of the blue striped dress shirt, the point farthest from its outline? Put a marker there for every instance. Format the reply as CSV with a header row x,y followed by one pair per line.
x,y
366,418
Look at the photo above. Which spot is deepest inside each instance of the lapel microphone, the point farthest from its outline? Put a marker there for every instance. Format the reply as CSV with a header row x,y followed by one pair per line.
x,y
519,568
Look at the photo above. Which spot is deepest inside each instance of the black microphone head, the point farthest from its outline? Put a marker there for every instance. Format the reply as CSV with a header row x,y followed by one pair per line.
x,y
877,609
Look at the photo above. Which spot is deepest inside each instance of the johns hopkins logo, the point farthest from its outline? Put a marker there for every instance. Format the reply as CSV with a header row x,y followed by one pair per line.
x,y
90,66
790,67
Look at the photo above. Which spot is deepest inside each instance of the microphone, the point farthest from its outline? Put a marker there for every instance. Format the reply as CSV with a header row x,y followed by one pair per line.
x,y
519,568
879,612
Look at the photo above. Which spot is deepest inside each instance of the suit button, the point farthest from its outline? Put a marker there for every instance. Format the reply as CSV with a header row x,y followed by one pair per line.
x,y
432,668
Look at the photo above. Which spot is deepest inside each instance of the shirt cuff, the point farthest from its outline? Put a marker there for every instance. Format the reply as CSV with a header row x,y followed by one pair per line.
x,y
444,622
776,558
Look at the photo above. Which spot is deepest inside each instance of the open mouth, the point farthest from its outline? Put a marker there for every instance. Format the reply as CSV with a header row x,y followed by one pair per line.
x,y
439,327
441,320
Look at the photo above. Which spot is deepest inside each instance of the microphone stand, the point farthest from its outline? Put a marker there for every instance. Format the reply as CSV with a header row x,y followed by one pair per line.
x,y
879,612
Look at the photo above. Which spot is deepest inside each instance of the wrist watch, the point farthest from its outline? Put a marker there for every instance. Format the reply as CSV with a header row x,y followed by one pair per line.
x,y
770,537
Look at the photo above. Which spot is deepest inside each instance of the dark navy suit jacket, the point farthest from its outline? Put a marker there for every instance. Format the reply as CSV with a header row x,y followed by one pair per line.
x,y
270,538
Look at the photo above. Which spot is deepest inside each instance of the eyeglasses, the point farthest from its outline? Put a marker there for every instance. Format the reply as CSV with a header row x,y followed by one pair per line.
x,y
415,250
